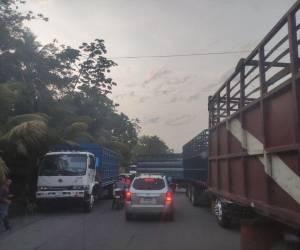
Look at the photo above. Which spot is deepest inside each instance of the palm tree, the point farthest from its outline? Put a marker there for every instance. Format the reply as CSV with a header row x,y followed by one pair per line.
x,y
3,171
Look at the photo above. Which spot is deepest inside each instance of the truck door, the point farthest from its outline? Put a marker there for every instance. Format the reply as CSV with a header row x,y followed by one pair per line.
x,y
91,169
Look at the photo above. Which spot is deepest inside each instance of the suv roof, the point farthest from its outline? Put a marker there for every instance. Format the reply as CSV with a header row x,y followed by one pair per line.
x,y
150,175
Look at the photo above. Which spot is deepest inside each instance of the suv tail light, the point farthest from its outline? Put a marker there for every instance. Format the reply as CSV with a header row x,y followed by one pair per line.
x,y
128,196
169,197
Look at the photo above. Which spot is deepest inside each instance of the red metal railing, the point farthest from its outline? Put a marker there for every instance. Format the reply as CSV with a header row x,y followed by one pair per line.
x,y
274,61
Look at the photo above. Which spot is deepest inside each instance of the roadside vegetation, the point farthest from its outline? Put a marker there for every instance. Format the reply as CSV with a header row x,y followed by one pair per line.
x,y
53,93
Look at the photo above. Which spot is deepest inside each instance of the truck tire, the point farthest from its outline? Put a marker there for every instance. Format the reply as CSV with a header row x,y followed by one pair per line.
x,y
194,197
222,218
88,204
187,191
97,193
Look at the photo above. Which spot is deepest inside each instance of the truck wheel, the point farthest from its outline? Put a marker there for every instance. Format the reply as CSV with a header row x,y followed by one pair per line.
x,y
222,217
186,191
194,197
96,193
88,204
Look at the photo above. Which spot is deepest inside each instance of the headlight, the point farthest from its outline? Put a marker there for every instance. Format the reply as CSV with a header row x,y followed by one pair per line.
x,y
42,188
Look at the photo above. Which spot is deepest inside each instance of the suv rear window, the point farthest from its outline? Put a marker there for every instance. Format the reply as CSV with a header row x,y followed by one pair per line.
x,y
148,184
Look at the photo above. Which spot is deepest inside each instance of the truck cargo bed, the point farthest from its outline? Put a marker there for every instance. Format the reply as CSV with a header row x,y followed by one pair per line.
x,y
254,137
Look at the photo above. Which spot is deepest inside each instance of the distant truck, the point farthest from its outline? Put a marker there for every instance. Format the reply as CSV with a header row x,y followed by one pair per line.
x,y
81,173
195,168
169,165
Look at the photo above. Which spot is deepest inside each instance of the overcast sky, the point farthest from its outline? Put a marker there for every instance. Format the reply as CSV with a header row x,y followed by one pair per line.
x,y
168,95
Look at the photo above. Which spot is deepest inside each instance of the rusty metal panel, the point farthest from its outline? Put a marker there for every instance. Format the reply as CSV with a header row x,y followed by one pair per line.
x,y
213,173
237,183
254,138
223,139
252,121
213,143
256,180
279,117
223,173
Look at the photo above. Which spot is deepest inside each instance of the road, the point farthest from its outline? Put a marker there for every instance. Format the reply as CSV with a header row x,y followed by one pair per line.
x,y
193,228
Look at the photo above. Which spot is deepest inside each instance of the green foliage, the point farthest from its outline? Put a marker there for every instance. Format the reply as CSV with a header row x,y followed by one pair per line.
x,y
26,137
151,145
54,93
16,120
3,171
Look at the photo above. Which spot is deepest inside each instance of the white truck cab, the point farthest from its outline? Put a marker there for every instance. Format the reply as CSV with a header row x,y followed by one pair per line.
x,y
68,175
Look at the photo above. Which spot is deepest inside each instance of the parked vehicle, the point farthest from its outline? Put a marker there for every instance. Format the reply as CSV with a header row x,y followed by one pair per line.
x,y
195,168
149,194
169,165
84,174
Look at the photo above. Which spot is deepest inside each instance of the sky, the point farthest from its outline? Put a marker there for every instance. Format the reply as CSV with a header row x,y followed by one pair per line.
x,y
168,95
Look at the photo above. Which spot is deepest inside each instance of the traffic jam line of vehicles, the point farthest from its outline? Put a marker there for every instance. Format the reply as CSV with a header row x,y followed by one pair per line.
x,y
246,165
88,172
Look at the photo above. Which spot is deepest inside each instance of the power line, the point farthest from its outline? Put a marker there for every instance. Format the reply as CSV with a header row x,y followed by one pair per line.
x,y
182,55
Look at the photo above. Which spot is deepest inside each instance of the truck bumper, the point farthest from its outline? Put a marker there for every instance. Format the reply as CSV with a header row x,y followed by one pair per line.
x,y
73,194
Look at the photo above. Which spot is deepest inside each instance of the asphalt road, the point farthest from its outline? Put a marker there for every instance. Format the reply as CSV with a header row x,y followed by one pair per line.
x,y
69,229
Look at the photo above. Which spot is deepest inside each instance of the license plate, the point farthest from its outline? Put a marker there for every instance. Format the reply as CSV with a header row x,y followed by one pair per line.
x,y
148,201
118,196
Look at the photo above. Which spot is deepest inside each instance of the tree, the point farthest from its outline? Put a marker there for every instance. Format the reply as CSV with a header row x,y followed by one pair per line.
x,y
53,94
151,145
3,171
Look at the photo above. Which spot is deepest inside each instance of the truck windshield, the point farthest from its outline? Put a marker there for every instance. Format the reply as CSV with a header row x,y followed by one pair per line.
x,y
63,164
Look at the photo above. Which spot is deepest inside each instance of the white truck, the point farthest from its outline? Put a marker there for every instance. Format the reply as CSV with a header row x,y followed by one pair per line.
x,y
68,175
78,173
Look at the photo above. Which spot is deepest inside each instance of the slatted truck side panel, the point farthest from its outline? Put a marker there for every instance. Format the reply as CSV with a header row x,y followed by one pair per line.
x,y
254,158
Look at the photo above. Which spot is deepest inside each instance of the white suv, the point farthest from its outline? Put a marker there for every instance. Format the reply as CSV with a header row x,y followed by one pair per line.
x,y
149,194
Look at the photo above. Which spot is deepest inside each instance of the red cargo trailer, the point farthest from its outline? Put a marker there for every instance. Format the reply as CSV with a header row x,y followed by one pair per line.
x,y
254,130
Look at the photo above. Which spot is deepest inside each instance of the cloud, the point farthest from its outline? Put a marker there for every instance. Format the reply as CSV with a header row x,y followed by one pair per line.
x,y
130,85
180,120
175,99
157,75
222,79
178,81
152,120
194,97
164,92
129,94
144,99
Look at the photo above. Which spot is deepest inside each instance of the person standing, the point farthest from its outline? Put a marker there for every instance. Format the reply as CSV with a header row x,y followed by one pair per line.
x,y
5,202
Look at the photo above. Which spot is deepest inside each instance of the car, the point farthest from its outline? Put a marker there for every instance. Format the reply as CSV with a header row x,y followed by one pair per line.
x,y
149,194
